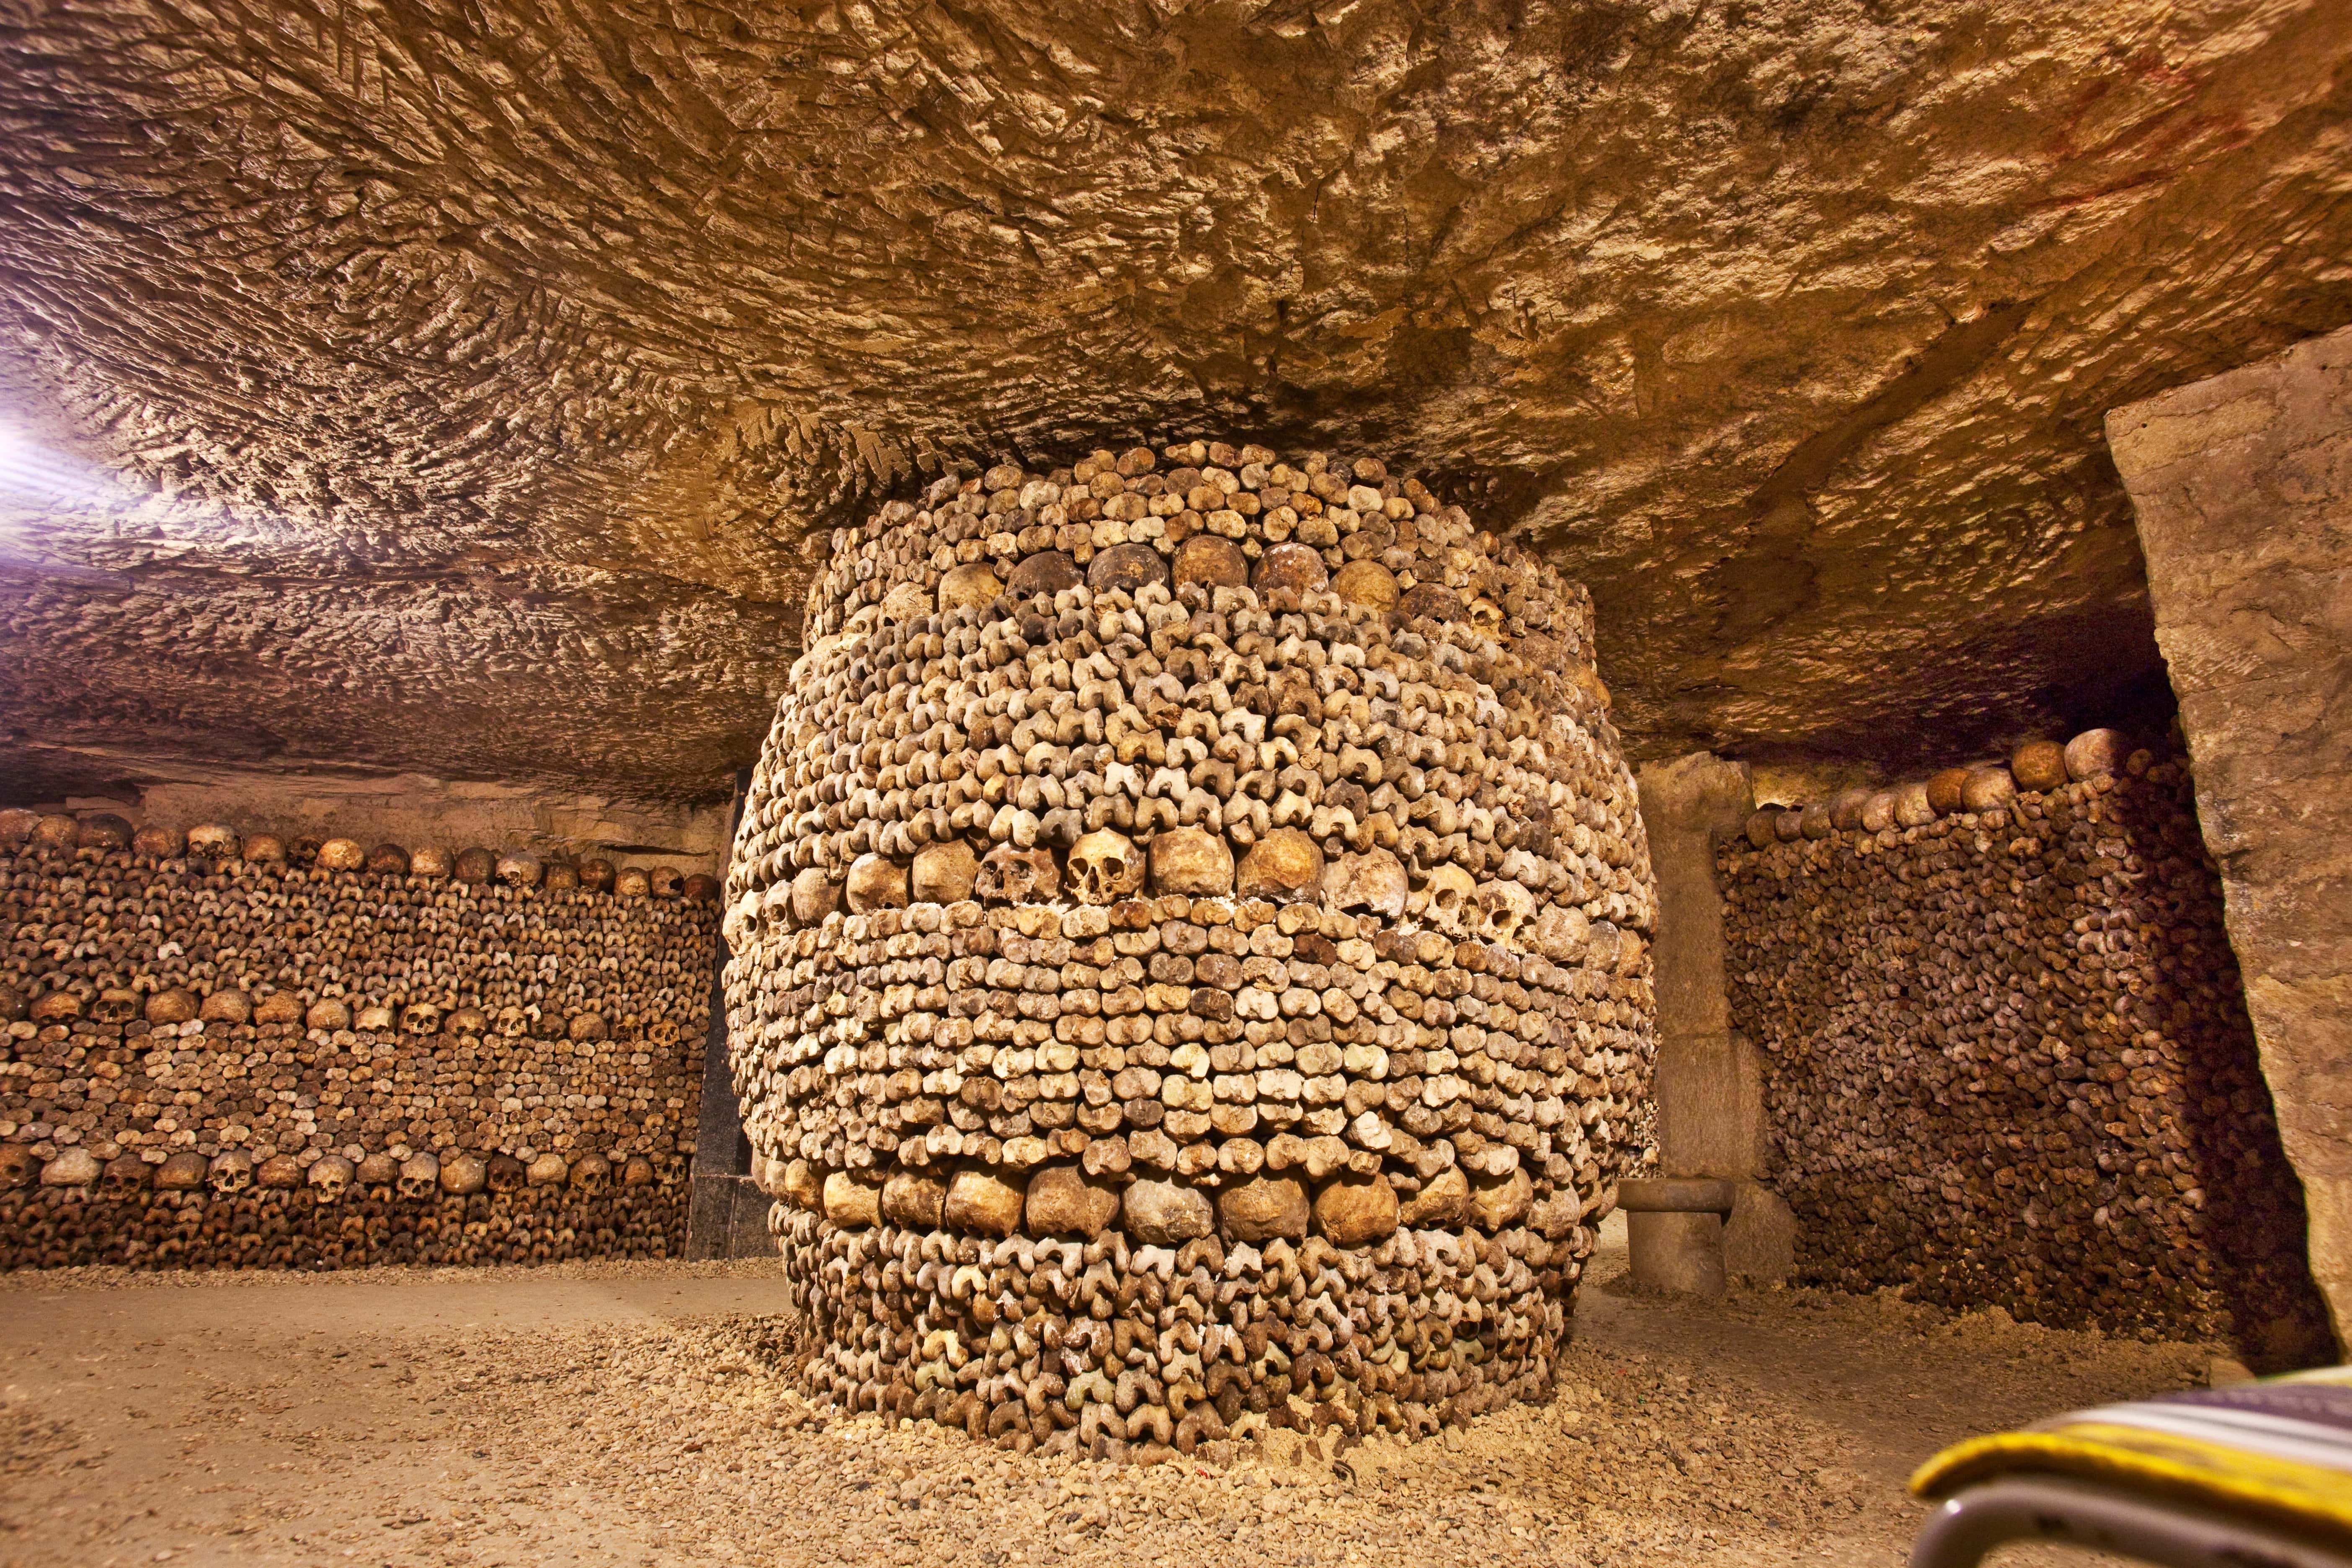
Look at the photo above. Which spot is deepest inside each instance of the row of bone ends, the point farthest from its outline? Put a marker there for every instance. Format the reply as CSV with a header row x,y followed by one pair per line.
x,y
1107,867
330,1177
62,834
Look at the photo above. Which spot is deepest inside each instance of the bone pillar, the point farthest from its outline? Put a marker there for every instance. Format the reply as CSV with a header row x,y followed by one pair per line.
x,y
2242,486
1709,1091
1189,955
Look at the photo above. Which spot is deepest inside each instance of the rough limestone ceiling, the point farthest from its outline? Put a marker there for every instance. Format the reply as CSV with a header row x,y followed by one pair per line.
x,y
452,386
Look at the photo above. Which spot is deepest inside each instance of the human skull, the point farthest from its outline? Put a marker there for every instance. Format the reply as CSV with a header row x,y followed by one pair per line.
x,y
1561,932
212,841
185,1172
700,889
560,877
815,896
1503,908
158,842
970,587
474,865
388,861
466,1021
591,1175
76,1169
1374,880
513,1022
631,883
665,881
55,1007
875,882
124,1177
420,1018
1105,867
1283,867
56,835
227,1006
173,1006
341,855
19,1166
428,861
1190,860
520,868
115,1005
503,1173
377,1170
16,825
1008,875
463,1175
548,1170
944,872
280,1172
637,1173
1449,900
373,1020
103,831
231,1171
330,1178
419,1175
597,876
588,1026
301,851
328,1012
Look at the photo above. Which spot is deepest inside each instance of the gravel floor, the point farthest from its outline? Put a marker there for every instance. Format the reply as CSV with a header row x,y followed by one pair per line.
x,y
644,1413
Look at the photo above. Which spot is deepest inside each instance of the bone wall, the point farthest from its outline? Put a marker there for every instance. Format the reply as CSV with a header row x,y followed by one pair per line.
x,y
2006,1054
1189,969
227,1051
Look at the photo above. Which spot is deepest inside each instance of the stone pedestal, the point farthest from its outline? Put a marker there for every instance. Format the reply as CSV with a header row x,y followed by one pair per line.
x,y
2242,486
1191,955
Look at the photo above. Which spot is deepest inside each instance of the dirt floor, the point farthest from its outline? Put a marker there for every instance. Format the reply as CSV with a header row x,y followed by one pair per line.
x,y
634,1414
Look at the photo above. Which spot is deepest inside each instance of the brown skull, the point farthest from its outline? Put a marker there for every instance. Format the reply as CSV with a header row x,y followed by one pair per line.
x,y
427,861
1192,861
231,1171
1013,875
944,872
1283,867
341,855
330,1178
875,882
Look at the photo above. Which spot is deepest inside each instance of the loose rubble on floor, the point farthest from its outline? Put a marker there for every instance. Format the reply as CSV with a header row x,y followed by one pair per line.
x,y
1775,1426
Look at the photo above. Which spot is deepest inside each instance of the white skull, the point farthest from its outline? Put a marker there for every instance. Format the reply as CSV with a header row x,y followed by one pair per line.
x,y
1504,909
330,1177
1449,899
419,1175
1105,867
419,1018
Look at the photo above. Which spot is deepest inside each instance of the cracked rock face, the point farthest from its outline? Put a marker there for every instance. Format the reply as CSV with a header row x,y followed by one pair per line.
x,y
461,390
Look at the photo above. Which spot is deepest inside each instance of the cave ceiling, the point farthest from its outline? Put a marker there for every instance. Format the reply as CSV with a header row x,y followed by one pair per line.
x,y
466,386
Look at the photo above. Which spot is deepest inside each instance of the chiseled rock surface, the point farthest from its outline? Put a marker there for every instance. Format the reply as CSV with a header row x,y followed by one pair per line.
x,y
462,396
2244,486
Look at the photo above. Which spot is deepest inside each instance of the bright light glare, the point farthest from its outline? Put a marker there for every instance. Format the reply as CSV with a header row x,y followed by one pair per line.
x,y
28,474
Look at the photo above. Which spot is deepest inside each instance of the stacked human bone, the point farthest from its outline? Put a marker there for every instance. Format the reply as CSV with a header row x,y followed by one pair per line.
x,y
1188,964
226,1050
2006,1053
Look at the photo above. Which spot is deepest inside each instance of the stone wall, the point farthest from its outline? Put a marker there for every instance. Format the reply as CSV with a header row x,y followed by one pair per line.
x,y
2005,1054
2242,486
216,1053
1191,905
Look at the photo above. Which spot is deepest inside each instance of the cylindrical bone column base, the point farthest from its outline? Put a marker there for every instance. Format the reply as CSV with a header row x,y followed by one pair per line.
x,y
1190,967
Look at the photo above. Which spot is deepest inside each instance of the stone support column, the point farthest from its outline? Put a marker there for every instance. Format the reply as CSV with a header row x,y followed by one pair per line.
x,y
1709,1089
2244,490
727,1213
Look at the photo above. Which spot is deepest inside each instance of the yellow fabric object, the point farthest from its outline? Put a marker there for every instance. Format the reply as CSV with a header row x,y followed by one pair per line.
x,y
2280,1450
